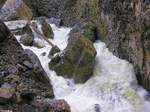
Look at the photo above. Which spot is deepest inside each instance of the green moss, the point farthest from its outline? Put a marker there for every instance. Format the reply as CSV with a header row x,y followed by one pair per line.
x,y
47,30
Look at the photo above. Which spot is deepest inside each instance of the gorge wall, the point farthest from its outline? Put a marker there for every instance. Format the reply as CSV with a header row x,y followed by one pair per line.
x,y
123,25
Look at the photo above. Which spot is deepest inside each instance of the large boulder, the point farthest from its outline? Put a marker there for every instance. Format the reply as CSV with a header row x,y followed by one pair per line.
x,y
15,10
77,60
21,78
46,28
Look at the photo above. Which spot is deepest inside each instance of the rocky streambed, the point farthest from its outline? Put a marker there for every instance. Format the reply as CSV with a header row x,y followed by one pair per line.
x,y
112,87
46,67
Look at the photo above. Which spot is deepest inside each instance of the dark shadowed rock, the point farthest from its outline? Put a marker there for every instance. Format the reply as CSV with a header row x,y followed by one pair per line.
x,y
4,31
40,73
27,30
56,21
77,60
53,51
27,96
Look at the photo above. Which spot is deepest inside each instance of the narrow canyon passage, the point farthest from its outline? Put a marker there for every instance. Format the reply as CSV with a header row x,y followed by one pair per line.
x,y
112,88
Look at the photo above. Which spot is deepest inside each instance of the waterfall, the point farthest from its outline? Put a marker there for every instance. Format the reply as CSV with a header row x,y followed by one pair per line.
x,y
113,87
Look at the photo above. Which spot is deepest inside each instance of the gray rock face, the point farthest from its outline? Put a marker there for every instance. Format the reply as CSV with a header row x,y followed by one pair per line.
x,y
123,25
49,8
77,60
21,78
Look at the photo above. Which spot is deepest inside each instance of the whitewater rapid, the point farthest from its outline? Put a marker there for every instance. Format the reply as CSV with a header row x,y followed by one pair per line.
x,y
113,87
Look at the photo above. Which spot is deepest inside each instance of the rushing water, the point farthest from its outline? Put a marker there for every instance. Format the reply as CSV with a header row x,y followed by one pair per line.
x,y
113,87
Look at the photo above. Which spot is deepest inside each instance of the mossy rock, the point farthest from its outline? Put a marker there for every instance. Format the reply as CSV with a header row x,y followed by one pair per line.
x,y
47,30
22,12
27,40
77,60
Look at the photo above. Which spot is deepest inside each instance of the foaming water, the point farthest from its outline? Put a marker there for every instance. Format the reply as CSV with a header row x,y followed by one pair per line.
x,y
113,87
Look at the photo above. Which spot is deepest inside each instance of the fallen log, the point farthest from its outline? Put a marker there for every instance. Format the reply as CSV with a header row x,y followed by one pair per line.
x,y
42,35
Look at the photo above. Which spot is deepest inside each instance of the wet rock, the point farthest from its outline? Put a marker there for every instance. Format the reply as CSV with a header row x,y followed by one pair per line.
x,y
52,105
40,73
97,108
27,30
4,31
46,28
56,21
27,40
77,60
6,93
43,54
15,10
53,51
